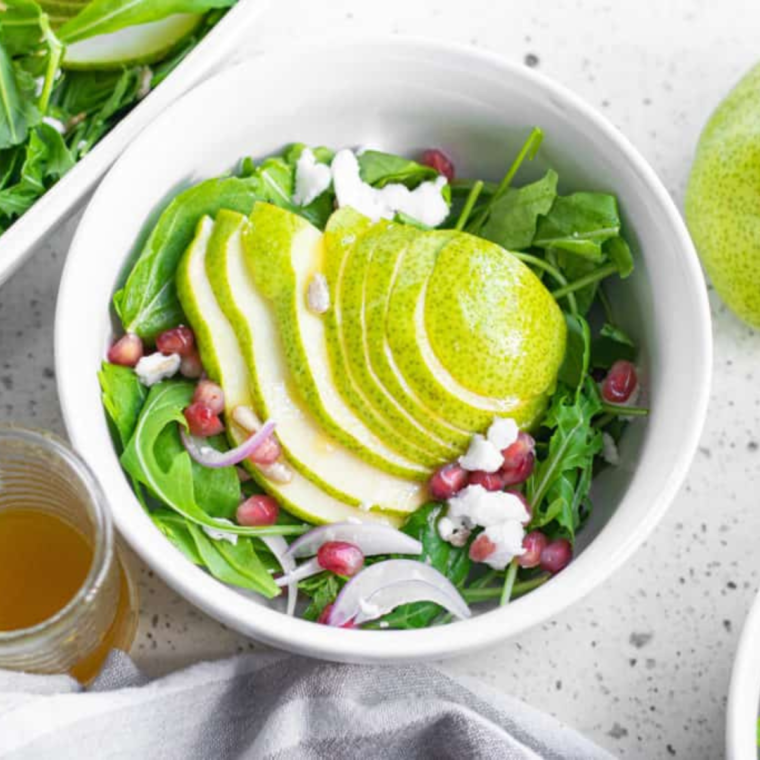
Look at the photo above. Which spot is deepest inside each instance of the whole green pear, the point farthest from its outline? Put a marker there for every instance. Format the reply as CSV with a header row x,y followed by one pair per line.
x,y
723,198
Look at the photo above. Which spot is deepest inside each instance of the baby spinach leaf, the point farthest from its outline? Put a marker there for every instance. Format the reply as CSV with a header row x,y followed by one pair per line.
x,y
577,353
176,529
156,458
513,218
20,30
148,304
17,113
380,169
452,561
105,16
236,564
573,444
123,398
579,223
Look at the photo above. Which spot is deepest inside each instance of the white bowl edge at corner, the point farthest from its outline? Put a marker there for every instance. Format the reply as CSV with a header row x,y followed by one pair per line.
x,y
744,691
401,94
21,239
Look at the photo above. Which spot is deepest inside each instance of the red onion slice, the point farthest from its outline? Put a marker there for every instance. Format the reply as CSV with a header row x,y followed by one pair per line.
x,y
355,595
208,456
279,548
306,570
371,538
386,600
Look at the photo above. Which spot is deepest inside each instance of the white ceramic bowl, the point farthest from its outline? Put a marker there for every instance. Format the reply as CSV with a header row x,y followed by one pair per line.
x,y
402,95
18,242
744,693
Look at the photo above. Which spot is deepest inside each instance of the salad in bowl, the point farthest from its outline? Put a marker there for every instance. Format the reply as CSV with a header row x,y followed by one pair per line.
x,y
377,390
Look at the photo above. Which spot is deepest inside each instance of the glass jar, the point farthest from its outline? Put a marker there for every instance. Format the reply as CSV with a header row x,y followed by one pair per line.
x,y
39,473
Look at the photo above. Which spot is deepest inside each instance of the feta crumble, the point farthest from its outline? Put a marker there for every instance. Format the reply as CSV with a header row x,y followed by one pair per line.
x,y
503,432
507,537
425,203
221,535
318,295
610,452
56,124
312,178
156,367
481,455
474,506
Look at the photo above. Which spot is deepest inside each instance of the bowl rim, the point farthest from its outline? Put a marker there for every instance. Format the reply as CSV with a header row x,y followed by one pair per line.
x,y
743,708
273,627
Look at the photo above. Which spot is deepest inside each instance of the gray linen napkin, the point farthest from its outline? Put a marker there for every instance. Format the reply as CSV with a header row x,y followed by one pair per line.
x,y
271,705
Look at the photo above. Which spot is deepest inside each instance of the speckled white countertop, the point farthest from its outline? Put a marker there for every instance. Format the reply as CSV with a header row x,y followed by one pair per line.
x,y
642,664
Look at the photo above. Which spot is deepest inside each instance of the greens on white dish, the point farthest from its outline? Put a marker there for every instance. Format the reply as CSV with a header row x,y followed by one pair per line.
x,y
387,390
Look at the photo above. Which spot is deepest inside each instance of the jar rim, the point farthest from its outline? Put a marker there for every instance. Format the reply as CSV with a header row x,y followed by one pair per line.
x,y
103,542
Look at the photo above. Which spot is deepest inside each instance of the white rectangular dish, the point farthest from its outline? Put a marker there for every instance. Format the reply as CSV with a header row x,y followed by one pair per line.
x,y
18,242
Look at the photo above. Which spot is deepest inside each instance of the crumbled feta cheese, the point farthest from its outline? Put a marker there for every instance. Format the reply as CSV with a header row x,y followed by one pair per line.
x,y
425,203
609,450
146,79
474,505
39,84
156,367
56,124
279,472
481,455
507,537
503,432
318,295
312,178
383,624
221,535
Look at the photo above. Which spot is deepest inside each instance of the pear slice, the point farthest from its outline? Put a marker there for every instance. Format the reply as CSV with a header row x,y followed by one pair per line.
x,y
343,231
419,425
225,364
332,467
419,364
283,254
491,322
142,43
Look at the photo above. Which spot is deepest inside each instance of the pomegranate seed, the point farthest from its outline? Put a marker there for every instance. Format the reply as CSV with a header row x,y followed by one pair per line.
x,y
340,557
202,421
620,383
258,510
518,460
491,481
179,340
534,544
191,365
267,452
448,481
127,351
322,619
438,160
209,393
556,555
481,548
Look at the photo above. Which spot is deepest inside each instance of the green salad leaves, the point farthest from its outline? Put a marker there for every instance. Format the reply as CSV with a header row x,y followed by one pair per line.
x,y
51,115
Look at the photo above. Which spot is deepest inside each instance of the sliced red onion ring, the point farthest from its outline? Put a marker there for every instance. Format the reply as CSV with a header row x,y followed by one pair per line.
x,y
279,548
386,599
306,570
355,595
208,456
371,538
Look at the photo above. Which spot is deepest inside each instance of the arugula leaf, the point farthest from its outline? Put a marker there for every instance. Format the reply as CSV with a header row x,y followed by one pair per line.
x,y
236,564
620,255
379,169
611,345
513,218
553,489
148,304
106,16
577,353
123,397
452,561
17,114
322,589
579,223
